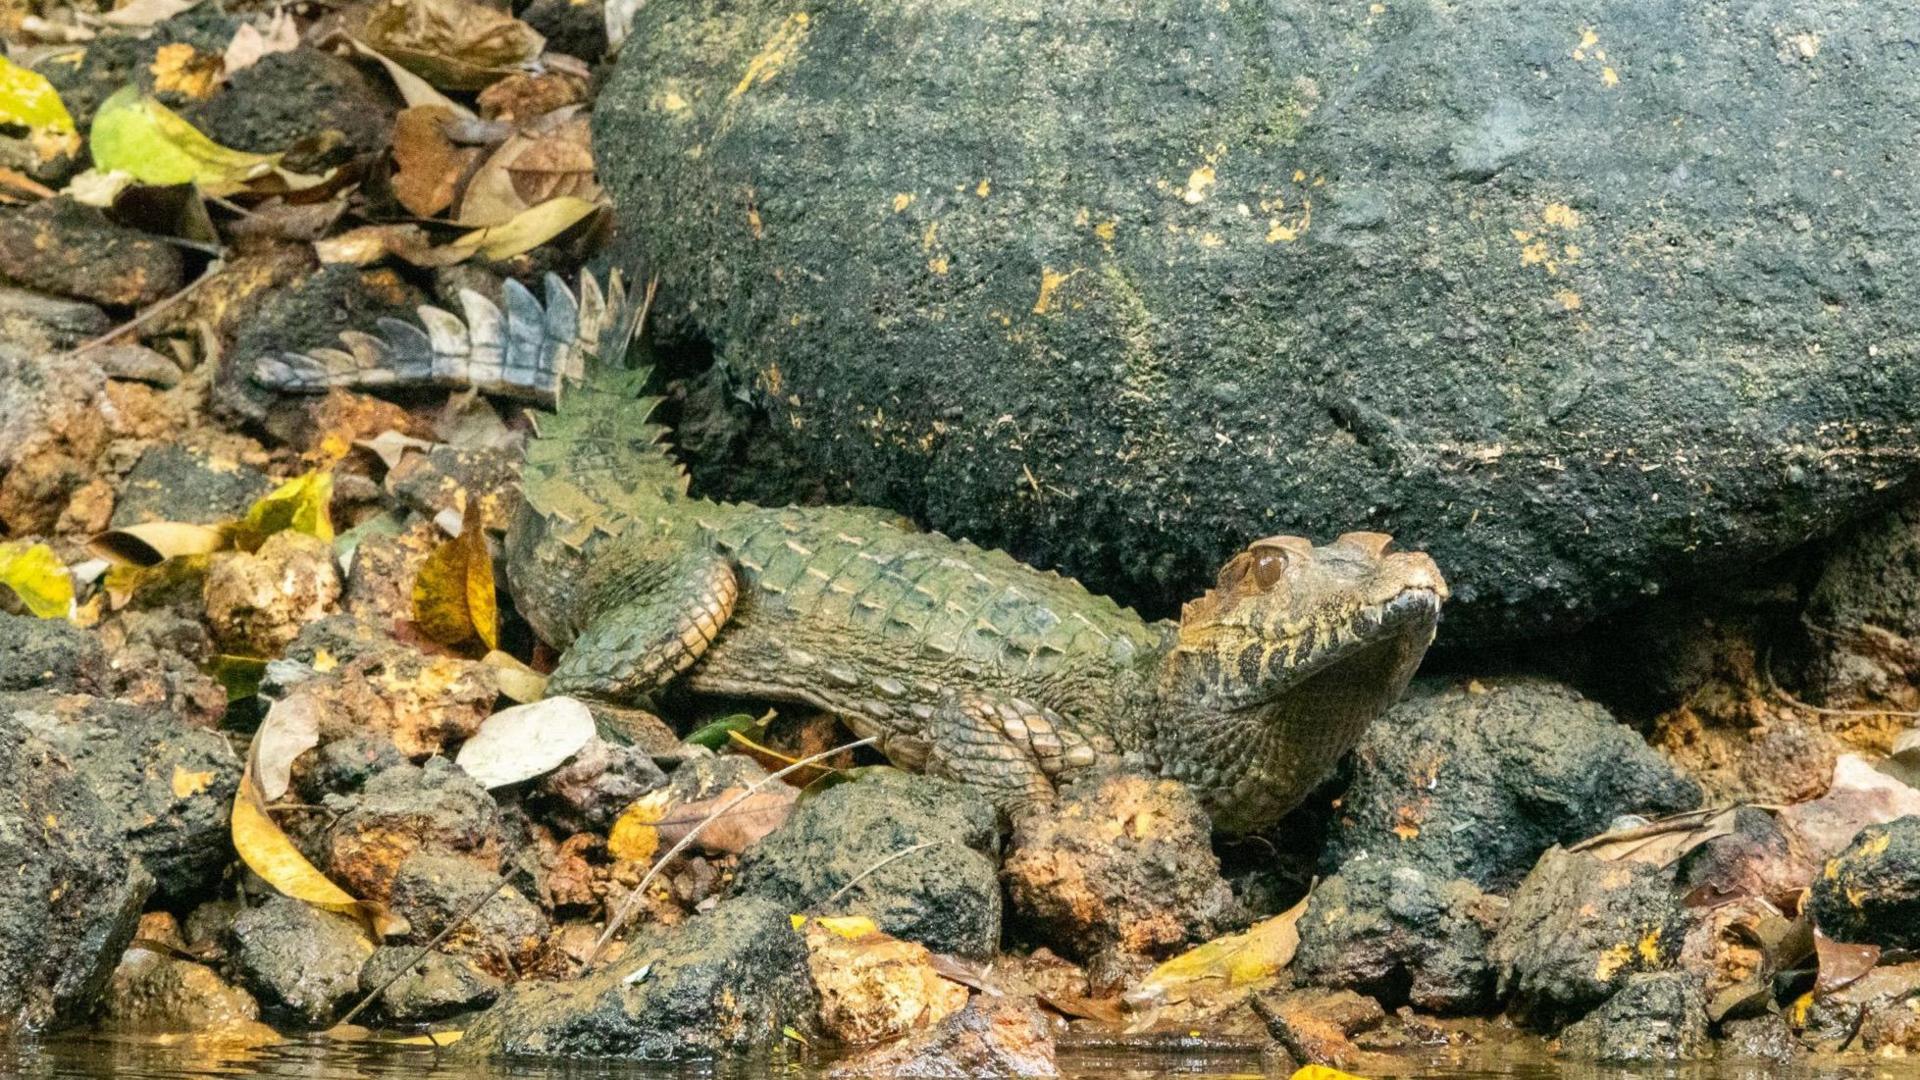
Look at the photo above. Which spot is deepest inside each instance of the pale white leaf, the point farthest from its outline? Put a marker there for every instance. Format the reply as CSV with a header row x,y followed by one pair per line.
x,y
526,741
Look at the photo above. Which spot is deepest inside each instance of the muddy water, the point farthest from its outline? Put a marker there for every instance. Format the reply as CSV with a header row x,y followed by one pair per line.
x,y
327,1060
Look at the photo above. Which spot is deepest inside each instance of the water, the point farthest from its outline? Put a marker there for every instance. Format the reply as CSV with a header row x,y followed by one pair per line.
x,y
321,1059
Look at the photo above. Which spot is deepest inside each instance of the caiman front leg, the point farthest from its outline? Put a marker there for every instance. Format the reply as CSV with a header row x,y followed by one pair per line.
x,y
654,611
986,743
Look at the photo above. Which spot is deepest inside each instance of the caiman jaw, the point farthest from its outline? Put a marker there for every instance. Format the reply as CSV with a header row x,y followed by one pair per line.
x,y
1282,665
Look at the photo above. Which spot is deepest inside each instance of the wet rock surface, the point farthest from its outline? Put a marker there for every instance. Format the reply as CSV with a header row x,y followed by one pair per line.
x,y
1395,933
299,958
47,654
406,810
873,987
1653,1017
433,891
1119,863
1578,928
164,787
71,898
1129,283
61,247
727,980
1317,1027
417,988
153,992
1475,780
1870,893
1873,1013
174,483
945,896
992,1037
257,602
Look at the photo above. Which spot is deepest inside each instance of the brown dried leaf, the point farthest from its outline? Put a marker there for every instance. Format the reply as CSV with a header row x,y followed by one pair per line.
x,y
370,244
428,166
278,219
291,728
453,44
523,96
143,13
453,596
1840,963
414,90
528,230
157,541
1662,842
551,157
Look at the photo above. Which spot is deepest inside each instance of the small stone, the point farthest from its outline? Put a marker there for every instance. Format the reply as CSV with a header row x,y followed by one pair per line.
x,y
1869,894
1317,1027
446,478
434,987
257,603
1476,785
1577,928
432,890
152,992
1653,1017
406,809
1119,863
377,686
1766,1037
729,980
49,654
589,792
58,246
1395,933
1004,1036
300,957
175,483
945,896
380,581
874,987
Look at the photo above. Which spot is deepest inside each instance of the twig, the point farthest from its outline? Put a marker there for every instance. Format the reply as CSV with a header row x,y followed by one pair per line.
x,y
862,875
625,910
421,953
1774,688
153,310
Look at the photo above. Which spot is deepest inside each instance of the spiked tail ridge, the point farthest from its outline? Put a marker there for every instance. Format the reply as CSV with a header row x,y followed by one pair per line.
x,y
529,350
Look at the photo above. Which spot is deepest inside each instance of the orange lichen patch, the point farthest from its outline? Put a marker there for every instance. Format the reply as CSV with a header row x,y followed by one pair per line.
x,y
901,201
180,69
1568,300
779,49
1560,215
1050,280
1612,960
984,189
1200,183
188,784
1105,231
1609,77
938,264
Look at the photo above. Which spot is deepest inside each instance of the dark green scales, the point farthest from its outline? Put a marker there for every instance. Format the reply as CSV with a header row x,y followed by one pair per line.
x,y
955,659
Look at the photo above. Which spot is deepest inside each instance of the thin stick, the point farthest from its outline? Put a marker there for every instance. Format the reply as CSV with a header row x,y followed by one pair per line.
x,y
862,875
625,910
421,953
1766,669
154,310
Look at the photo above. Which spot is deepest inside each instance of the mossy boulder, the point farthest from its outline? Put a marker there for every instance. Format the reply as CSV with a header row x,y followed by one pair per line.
x,y
1585,301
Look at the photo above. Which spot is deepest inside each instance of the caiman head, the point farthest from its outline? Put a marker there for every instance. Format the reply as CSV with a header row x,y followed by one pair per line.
x,y
1272,675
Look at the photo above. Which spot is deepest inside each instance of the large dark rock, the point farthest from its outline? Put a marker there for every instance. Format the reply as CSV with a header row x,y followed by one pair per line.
x,y
1870,892
1475,780
71,893
726,980
49,654
1401,936
1579,928
840,845
1124,287
166,788
299,958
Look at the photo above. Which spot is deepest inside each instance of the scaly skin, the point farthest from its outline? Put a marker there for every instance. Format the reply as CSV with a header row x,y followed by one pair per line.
x,y
956,660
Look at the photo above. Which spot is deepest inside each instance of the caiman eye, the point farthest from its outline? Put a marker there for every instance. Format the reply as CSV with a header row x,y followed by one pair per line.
x,y
1269,567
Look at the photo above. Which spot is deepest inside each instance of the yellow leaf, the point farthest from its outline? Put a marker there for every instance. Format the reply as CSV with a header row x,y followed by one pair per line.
x,y
453,597
1320,1072
634,837
1234,960
146,140
268,852
30,101
299,504
528,229
38,578
517,680
456,44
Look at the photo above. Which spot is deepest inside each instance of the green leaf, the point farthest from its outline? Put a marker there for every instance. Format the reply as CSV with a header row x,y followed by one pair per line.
x,y
38,577
719,733
300,504
138,136
239,675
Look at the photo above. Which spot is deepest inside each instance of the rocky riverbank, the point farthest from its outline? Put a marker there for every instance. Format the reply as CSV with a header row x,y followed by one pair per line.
x,y
277,739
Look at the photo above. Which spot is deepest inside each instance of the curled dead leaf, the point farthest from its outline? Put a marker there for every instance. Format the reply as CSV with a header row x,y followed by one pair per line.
x,y
428,166
1662,842
251,44
155,542
529,229
550,157
1840,964
291,728
300,504
453,44
517,680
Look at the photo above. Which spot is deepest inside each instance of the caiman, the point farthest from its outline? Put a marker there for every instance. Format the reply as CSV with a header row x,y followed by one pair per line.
x,y
954,659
